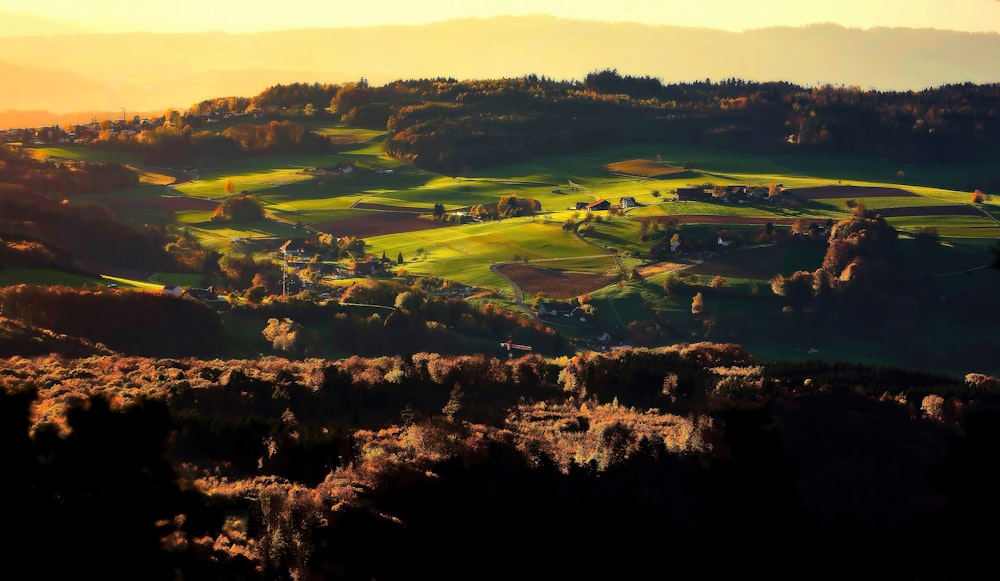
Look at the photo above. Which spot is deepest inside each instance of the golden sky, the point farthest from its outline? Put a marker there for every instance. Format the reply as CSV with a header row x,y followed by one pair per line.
x,y
735,15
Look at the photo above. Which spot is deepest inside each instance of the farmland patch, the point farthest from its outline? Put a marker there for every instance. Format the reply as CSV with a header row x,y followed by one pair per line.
x,y
379,223
644,168
557,284
717,219
951,210
824,192
762,263
163,203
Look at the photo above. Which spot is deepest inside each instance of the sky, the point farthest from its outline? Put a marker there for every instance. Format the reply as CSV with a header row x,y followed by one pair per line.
x,y
734,15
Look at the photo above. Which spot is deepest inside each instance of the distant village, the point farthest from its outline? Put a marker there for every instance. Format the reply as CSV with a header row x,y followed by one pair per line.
x,y
86,133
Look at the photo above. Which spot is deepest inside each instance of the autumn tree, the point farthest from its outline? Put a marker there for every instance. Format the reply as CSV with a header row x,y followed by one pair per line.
x,y
697,304
978,197
230,188
283,334
797,289
509,206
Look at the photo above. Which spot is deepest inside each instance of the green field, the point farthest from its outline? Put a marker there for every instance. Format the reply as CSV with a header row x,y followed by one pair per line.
x,y
83,153
293,195
15,276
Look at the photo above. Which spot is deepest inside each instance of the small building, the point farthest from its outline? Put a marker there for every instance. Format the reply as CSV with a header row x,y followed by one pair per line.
x,y
203,294
366,268
693,194
738,193
599,204
173,289
627,202
582,205
292,248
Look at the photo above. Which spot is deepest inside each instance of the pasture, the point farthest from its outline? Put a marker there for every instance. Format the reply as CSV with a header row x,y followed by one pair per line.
x,y
39,276
83,153
465,253
385,208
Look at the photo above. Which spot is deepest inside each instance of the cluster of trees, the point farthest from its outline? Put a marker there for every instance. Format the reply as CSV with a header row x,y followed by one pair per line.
x,y
808,465
243,207
860,261
136,322
407,318
61,180
171,143
41,227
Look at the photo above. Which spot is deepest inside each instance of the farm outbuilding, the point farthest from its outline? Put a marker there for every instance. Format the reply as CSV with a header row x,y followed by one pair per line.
x,y
693,194
292,247
600,204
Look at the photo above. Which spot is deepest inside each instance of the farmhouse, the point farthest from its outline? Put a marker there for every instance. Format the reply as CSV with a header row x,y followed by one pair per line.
x,y
292,248
600,204
627,202
693,194
738,193
173,289
205,295
366,268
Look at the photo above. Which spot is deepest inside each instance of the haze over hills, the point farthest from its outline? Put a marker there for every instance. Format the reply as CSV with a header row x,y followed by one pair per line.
x,y
64,72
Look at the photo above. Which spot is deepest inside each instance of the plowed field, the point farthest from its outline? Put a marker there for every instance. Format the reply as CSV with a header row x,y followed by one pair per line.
x,y
825,192
557,284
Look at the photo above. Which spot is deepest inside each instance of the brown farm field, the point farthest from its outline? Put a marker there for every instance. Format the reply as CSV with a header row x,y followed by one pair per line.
x,y
952,210
557,284
379,223
826,192
716,219
646,168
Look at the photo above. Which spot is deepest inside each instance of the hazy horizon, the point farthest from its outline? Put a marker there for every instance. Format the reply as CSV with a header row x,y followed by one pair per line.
x,y
75,67
185,16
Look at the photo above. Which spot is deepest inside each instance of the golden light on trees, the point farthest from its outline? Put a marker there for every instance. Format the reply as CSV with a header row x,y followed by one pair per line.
x,y
697,304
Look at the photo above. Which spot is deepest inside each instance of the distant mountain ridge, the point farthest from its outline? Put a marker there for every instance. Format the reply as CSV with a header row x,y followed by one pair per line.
x,y
152,71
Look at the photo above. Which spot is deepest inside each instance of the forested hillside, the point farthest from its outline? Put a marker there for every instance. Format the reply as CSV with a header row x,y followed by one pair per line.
x,y
689,461
458,126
